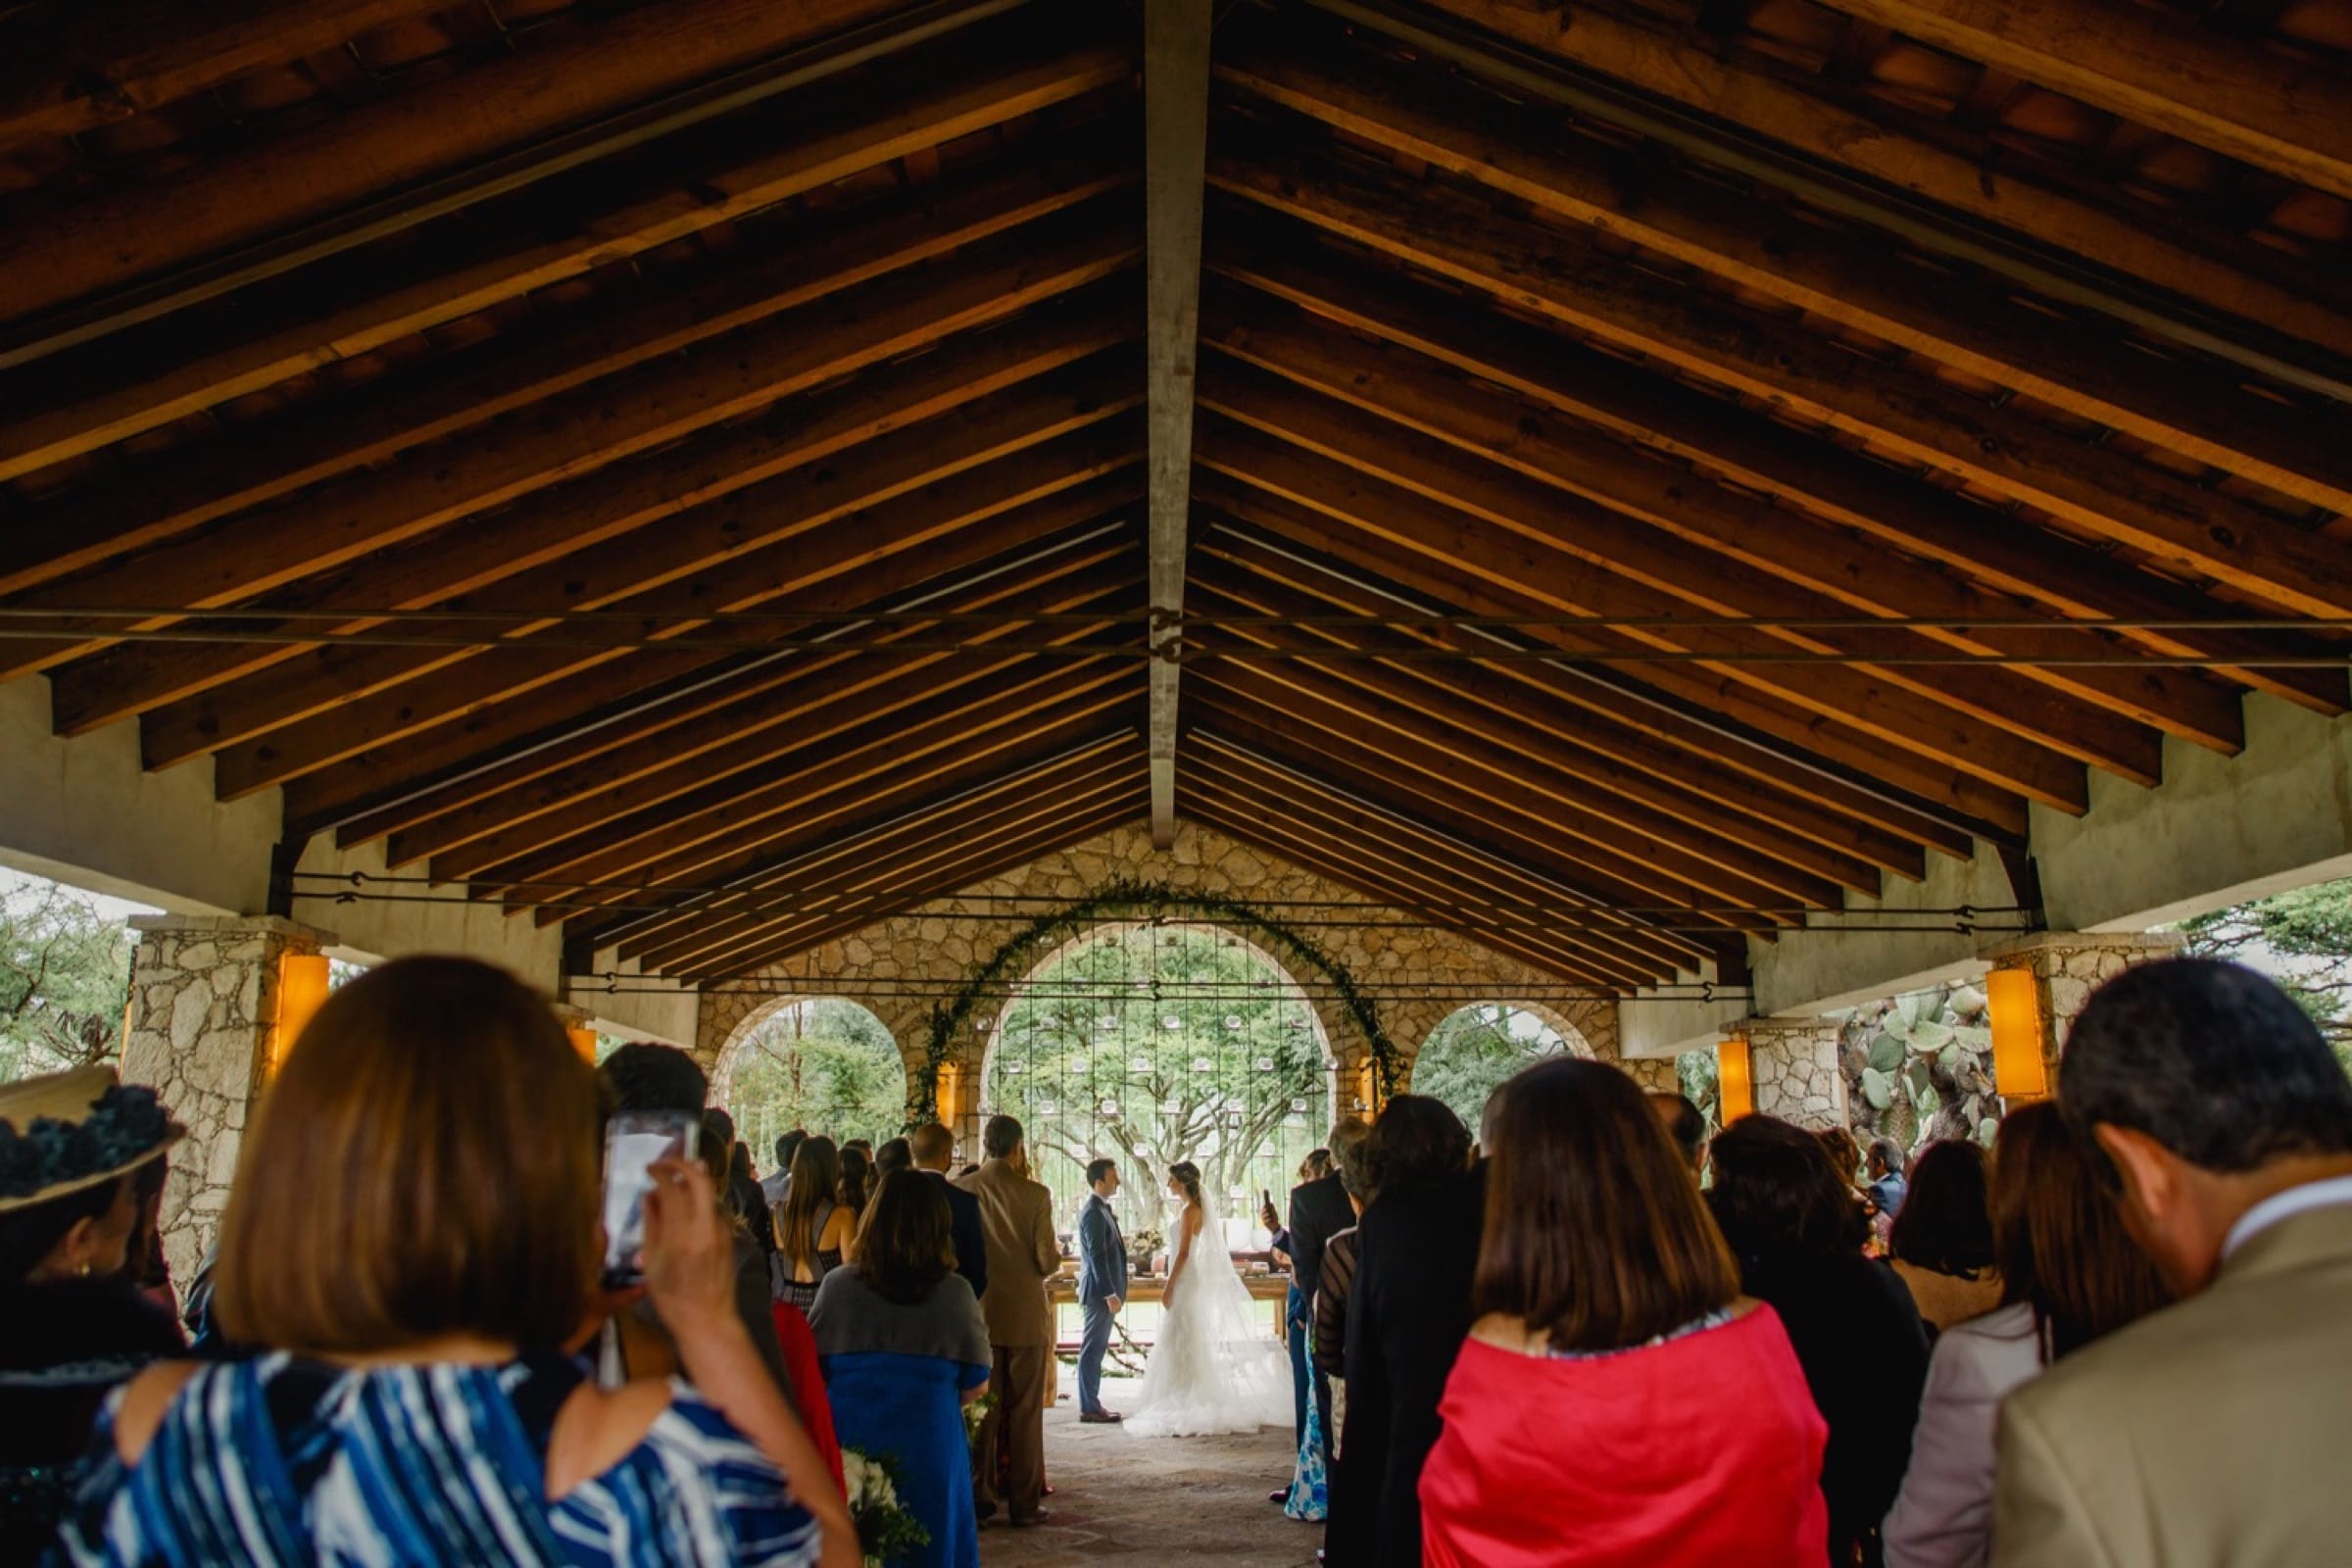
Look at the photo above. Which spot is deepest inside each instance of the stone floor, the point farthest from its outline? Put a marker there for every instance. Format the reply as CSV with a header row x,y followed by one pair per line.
x,y
1122,1500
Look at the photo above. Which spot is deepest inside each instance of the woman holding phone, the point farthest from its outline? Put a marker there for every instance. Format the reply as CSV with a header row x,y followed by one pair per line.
x,y
413,1239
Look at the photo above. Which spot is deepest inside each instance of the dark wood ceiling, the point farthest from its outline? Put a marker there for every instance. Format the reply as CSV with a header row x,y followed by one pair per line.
x,y
680,467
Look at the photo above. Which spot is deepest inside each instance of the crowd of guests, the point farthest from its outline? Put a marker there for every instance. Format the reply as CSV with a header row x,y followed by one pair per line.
x,y
1592,1336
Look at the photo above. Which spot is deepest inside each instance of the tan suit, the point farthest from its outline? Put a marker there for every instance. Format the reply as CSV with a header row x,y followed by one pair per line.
x,y
2214,1432
1017,1223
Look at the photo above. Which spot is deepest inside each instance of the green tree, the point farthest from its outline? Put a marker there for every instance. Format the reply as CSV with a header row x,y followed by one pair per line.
x,y
1475,1050
828,1066
65,978
2303,939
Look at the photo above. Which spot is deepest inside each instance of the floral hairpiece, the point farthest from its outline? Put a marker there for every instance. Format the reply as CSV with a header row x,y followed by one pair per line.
x,y
123,1125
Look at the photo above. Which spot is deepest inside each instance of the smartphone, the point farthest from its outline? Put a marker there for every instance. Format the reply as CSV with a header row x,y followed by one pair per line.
x,y
1267,1197
635,1142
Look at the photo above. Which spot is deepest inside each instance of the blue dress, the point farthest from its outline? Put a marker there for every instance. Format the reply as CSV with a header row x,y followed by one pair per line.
x,y
895,1373
279,1462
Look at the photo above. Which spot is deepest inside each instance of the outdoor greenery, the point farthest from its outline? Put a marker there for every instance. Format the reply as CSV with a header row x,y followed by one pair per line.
x,y
2303,939
827,1066
65,977
1475,1050
1696,1071
1153,1044
1919,1067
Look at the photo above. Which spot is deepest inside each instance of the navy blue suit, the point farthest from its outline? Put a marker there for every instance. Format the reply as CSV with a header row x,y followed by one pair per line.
x,y
1102,1274
963,1220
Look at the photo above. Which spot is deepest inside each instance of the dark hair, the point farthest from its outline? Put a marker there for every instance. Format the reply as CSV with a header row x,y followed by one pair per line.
x,y
2060,1238
815,1178
28,1235
905,1244
1887,1156
1187,1175
1683,1121
1416,1141
1096,1169
1844,1153
716,1118
1778,1193
649,1077
856,1178
895,1154
1944,1225
788,1145
2212,1061
1595,1232
1001,1137
423,1164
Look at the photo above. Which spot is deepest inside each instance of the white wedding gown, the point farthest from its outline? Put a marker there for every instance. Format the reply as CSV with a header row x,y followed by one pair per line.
x,y
1216,1367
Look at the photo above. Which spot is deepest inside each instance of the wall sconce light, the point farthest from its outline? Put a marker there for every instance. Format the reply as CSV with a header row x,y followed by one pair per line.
x,y
302,986
1735,1082
583,1041
2019,1072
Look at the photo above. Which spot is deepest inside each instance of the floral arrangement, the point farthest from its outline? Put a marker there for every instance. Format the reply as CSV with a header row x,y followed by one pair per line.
x,y
975,1414
1146,1246
886,1530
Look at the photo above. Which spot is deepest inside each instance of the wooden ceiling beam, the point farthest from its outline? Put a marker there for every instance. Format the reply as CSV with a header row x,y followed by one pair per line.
x,y
578,435
2257,105
103,243
1737,113
2093,487
1839,275
1799,567
1755,451
1688,697
923,812
1566,740
240,467
1585,562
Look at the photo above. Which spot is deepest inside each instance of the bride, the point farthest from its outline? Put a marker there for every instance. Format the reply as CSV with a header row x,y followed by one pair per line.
x,y
1215,1367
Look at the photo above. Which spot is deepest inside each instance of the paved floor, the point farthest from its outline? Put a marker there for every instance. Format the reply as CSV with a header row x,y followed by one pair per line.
x,y
1122,1500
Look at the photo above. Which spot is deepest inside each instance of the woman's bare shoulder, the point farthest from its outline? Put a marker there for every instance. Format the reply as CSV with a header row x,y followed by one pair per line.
x,y
146,1398
598,1428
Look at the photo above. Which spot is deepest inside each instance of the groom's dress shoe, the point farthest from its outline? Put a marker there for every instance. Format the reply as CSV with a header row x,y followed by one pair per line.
x,y
1098,1418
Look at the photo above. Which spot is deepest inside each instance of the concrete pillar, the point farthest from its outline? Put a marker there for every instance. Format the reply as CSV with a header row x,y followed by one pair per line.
x,y
2066,966
1793,1062
203,1029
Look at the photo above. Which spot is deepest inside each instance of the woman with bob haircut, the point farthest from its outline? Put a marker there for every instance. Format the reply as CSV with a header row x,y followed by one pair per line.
x,y
2070,1274
905,1348
1584,1421
1940,1245
412,1242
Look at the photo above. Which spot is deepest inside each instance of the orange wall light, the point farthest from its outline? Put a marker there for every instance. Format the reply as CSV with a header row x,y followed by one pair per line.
x,y
583,1041
1735,1084
302,986
2020,1072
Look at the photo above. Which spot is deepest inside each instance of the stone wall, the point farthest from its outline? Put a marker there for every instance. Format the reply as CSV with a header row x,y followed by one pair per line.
x,y
1416,975
1794,1065
201,1029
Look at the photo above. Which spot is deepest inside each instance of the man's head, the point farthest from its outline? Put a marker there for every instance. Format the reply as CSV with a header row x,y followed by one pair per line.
x,y
721,1123
1885,1158
788,1145
649,1077
1348,1135
934,1147
1002,1137
2207,1089
1685,1124
1102,1175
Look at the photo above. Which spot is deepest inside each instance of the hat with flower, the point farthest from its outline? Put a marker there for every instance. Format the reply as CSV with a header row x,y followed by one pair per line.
x,y
65,1131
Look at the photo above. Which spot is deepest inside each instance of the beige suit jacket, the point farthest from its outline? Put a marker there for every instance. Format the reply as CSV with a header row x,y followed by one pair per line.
x,y
2214,1432
1017,1222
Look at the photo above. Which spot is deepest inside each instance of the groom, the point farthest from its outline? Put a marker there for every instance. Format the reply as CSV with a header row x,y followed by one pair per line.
x,y
1101,1286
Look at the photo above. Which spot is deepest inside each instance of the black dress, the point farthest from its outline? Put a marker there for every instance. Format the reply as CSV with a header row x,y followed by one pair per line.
x,y
1408,1313
68,1344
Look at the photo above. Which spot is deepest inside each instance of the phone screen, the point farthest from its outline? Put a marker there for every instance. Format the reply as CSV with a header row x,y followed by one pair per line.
x,y
634,1140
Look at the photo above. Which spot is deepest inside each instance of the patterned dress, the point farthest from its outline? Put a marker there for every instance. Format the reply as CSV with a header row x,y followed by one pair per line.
x,y
280,1462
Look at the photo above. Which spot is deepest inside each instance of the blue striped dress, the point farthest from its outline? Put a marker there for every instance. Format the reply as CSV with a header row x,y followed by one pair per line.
x,y
276,1461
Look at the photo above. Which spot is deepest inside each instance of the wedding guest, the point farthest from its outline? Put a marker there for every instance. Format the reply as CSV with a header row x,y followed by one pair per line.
x,y
1609,1308
1016,1218
1942,1243
1686,1124
778,1182
1318,1210
2213,1431
905,1349
2070,1274
1845,1152
1307,1498
1798,1230
1888,1187
813,1227
894,1155
933,1151
1101,1285
1330,1327
856,1178
415,1402
743,1190
78,1155
1408,1310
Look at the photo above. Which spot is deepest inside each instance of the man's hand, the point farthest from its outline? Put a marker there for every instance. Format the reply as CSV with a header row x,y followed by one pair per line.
x,y
1114,1303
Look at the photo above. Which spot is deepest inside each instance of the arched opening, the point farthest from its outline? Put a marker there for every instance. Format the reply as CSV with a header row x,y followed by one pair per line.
x,y
1154,1044
820,1063
1475,1050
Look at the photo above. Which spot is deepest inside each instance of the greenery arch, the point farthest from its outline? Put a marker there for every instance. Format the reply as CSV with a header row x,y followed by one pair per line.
x,y
1149,902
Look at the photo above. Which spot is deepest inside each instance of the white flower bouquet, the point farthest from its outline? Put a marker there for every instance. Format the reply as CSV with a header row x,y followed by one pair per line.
x,y
887,1531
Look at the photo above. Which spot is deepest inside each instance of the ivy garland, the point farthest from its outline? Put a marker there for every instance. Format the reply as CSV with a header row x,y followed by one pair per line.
x,y
1126,899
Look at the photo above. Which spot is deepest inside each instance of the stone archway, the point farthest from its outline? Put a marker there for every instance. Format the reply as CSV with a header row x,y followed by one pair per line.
x,y
827,1064
1473,1050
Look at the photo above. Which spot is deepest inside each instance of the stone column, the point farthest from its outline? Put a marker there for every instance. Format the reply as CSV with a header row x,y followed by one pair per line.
x,y
2066,966
1793,1062
202,1029
1657,1075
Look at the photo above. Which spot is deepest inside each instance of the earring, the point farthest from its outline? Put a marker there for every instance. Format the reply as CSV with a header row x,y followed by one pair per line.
x,y
84,1271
